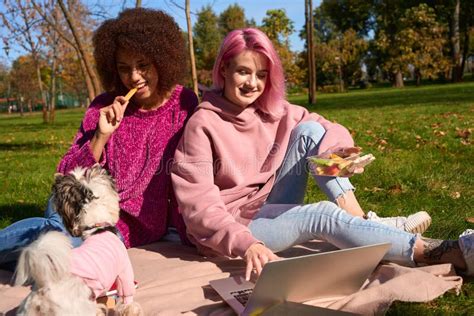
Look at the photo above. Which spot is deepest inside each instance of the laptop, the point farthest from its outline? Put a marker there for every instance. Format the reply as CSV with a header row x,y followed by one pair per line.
x,y
326,275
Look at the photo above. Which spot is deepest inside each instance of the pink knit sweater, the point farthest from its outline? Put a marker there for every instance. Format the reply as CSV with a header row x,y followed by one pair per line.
x,y
225,168
138,155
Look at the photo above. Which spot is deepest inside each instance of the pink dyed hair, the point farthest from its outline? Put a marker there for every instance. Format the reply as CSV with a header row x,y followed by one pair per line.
x,y
254,40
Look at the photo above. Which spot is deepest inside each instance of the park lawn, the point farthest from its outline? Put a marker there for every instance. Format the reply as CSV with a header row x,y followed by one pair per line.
x,y
421,138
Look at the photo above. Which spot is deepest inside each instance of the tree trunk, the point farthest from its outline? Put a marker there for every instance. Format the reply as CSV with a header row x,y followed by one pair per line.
x,y
455,44
21,106
43,96
398,80
138,3
341,77
52,105
191,48
80,47
465,52
313,59
310,51
418,77
89,85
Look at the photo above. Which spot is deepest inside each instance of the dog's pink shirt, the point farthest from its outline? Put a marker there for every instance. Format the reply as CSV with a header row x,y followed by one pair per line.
x,y
101,260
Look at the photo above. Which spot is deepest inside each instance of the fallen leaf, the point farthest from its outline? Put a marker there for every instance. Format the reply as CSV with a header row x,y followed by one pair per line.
x,y
463,133
470,220
455,195
374,189
395,189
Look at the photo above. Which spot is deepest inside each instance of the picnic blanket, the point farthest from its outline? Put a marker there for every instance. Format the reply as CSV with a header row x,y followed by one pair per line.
x,y
174,280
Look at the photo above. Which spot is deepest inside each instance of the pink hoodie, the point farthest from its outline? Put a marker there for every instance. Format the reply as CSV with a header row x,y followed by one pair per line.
x,y
225,167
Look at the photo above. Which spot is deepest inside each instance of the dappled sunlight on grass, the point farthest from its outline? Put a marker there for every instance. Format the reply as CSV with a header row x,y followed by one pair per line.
x,y
423,143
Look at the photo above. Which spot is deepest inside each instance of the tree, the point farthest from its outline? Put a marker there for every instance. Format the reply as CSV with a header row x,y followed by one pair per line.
x,y
324,29
84,26
310,51
343,56
207,40
191,48
23,23
459,16
52,46
4,80
23,81
231,18
349,14
387,15
467,31
278,28
71,79
419,42
81,47
456,43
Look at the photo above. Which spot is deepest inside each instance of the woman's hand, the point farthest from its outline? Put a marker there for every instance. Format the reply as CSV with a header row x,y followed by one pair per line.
x,y
257,256
111,116
109,120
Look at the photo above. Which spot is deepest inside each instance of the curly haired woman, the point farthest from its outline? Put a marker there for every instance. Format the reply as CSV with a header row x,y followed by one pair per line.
x,y
134,140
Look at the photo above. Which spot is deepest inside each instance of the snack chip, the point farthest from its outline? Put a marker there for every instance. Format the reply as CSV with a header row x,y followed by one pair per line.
x,y
336,166
130,94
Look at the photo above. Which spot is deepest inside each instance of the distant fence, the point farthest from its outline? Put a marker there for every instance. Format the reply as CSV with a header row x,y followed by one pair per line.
x,y
63,101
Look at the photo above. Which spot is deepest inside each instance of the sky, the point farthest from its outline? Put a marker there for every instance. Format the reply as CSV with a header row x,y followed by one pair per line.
x,y
255,9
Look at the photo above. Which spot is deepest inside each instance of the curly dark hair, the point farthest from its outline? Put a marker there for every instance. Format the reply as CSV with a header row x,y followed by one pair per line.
x,y
152,33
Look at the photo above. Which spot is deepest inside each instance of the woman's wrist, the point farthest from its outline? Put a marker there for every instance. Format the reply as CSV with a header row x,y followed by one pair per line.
x,y
97,144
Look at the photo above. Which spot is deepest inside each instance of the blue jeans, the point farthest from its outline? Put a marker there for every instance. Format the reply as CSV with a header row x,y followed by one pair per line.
x,y
283,221
20,234
292,176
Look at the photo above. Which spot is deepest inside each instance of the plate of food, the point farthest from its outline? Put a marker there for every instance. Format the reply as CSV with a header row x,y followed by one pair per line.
x,y
343,163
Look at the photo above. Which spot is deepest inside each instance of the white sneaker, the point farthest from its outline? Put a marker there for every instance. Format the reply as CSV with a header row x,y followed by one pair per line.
x,y
415,223
466,244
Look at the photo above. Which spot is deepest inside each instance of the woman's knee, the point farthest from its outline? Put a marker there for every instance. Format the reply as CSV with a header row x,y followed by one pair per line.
x,y
325,206
311,129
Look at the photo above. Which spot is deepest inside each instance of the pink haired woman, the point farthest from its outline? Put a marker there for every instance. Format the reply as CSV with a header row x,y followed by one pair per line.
x,y
240,172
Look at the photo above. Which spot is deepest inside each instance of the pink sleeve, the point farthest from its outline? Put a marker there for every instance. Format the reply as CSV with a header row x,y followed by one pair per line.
x,y
199,201
80,154
336,135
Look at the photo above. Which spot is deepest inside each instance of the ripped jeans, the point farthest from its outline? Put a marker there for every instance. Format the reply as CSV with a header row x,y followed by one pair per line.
x,y
284,221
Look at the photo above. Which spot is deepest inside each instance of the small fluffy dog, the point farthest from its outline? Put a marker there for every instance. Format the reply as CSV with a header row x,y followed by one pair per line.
x,y
67,281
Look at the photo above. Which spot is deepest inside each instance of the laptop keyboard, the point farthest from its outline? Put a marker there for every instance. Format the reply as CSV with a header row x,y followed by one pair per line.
x,y
242,295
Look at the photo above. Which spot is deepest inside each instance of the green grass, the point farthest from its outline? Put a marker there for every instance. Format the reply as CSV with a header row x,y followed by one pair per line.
x,y
422,162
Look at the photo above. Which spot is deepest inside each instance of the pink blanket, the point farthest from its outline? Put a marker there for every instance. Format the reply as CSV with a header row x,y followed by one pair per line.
x,y
173,279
